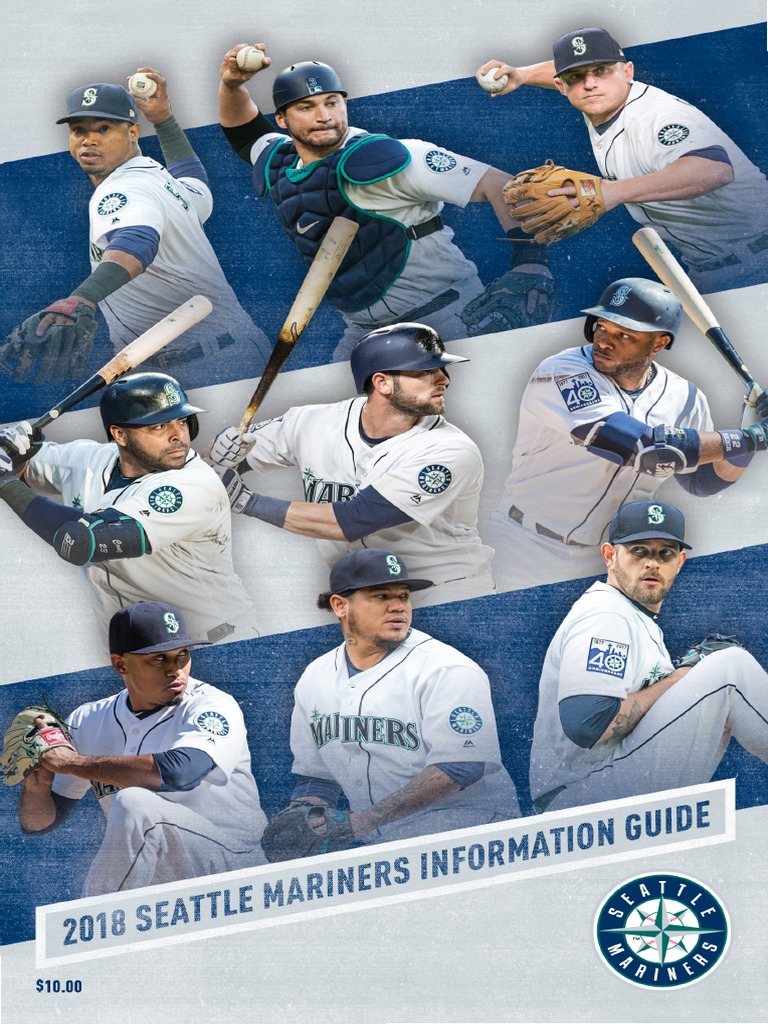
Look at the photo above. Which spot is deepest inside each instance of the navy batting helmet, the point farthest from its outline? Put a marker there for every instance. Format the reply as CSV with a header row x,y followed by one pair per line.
x,y
309,78
640,305
142,399
399,347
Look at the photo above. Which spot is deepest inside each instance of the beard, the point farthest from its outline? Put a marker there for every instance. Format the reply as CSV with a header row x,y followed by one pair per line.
x,y
637,592
331,137
154,462
412,406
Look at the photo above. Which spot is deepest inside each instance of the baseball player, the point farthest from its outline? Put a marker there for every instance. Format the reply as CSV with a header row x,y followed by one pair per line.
x,y
144,514
148,250
615,717
399,722
403,264
385,469
167,758
601,424
665,160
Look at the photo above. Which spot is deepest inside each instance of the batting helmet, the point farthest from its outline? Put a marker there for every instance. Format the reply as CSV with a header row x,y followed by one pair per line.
x,y
640,305
399,347
309,78
141,399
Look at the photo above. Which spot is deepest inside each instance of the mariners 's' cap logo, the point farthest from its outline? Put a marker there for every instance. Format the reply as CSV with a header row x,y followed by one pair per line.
x,y
89,97
656,515
662,931
172,393
171,623
393,566
579,46
621,295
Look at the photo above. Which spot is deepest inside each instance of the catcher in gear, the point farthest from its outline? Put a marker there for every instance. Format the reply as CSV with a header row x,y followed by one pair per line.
x,y
384,720
616,716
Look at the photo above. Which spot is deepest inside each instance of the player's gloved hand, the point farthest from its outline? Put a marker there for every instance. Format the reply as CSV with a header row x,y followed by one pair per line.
x,y
227,448
519,298
18,443
53,344
32,733
761,405
239,495
553,202
711,643
305,829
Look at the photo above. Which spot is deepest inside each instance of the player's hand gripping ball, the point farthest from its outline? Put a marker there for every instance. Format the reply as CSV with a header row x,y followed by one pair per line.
x,y
711,643
490,83
305,829
249,58
24,743
142,85
552,218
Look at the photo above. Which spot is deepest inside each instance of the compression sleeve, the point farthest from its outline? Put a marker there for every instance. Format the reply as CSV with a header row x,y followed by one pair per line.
x,y
139,241
182,768
463,772
368,512
242,137
586,716
192,167
325,789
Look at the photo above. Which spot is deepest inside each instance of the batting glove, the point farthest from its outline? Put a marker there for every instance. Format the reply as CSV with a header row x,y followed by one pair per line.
x,y
228,448
18,443
237,492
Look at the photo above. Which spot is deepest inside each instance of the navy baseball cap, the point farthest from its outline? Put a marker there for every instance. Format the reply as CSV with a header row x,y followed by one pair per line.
x,y
371,567
147,627
586,46
112,102
647,520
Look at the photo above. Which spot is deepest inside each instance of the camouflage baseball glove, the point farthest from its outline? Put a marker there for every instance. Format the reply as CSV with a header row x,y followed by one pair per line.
x,y
551,218
711,643
60,353
503,306
24,743
291,833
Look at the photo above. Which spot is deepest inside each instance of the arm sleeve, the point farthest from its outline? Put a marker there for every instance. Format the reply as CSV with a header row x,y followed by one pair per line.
x,y
182,768
242,137
322,788
368,512
585,718
140,242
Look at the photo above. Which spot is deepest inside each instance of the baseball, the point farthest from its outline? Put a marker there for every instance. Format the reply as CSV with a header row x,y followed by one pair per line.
x,y
142,86
491,84
249,58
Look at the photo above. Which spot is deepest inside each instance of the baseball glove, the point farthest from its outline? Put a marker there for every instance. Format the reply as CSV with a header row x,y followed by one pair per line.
x,y
551,218
291,835
503,306
60,353
24,744
711,643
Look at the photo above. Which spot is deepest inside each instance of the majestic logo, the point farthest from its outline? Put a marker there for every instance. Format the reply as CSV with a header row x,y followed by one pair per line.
x,y
110,204
171,623
608,657
656,514
171,394
439,161
662,931
89,97
621,295
579,391
213,722
579,46
435,479
166,499
465,721
672,134
393,566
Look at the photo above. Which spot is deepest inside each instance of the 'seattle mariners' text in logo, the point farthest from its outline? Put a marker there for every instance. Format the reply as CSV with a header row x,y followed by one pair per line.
x,y
662,931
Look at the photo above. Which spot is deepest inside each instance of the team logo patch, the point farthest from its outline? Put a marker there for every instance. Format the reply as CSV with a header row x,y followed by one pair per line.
x,y
172,394
435,479
465,721
313,86
656,515
213,722
439,161
110,204
578,392
671,134
621,295
608,657
394,568
171,623
165,499
579,46
662,931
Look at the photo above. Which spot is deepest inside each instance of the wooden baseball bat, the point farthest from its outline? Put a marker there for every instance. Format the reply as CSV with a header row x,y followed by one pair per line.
x,y
669,271
181,319
325,265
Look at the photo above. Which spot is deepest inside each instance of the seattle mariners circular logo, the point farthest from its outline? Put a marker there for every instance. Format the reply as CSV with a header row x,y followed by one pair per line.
x,y
465,721
435,479
111,203
166,499
213,722
586,393
671,134
438,161
662,931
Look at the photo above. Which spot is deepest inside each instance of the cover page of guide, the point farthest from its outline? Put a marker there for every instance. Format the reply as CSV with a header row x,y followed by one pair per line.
x,y
632,901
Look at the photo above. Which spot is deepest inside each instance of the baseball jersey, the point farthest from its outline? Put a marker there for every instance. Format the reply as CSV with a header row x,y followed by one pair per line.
x,y
564,487
185,515
141,192
433,472
607,645
652,131
206,719
371,732
435,264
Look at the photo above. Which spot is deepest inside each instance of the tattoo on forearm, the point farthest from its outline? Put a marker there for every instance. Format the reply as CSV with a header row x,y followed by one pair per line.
x,y
624,724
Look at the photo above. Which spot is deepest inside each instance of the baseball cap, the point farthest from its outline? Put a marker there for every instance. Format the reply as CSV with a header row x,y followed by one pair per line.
x,y
585,46
371,567
101,100
647,520
147,627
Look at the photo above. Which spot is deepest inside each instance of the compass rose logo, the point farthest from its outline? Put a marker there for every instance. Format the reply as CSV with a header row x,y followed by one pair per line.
x,y
662,931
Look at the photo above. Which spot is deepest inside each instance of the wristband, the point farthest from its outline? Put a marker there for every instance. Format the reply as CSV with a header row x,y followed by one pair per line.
x,y
269,510
740,443
106,278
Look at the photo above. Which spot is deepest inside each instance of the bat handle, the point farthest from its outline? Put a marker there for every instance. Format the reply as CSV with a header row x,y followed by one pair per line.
x,y
87,388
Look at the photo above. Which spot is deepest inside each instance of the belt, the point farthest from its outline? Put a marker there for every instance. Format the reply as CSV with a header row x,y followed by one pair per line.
x,y
517,515
760,244
427,227
178,356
